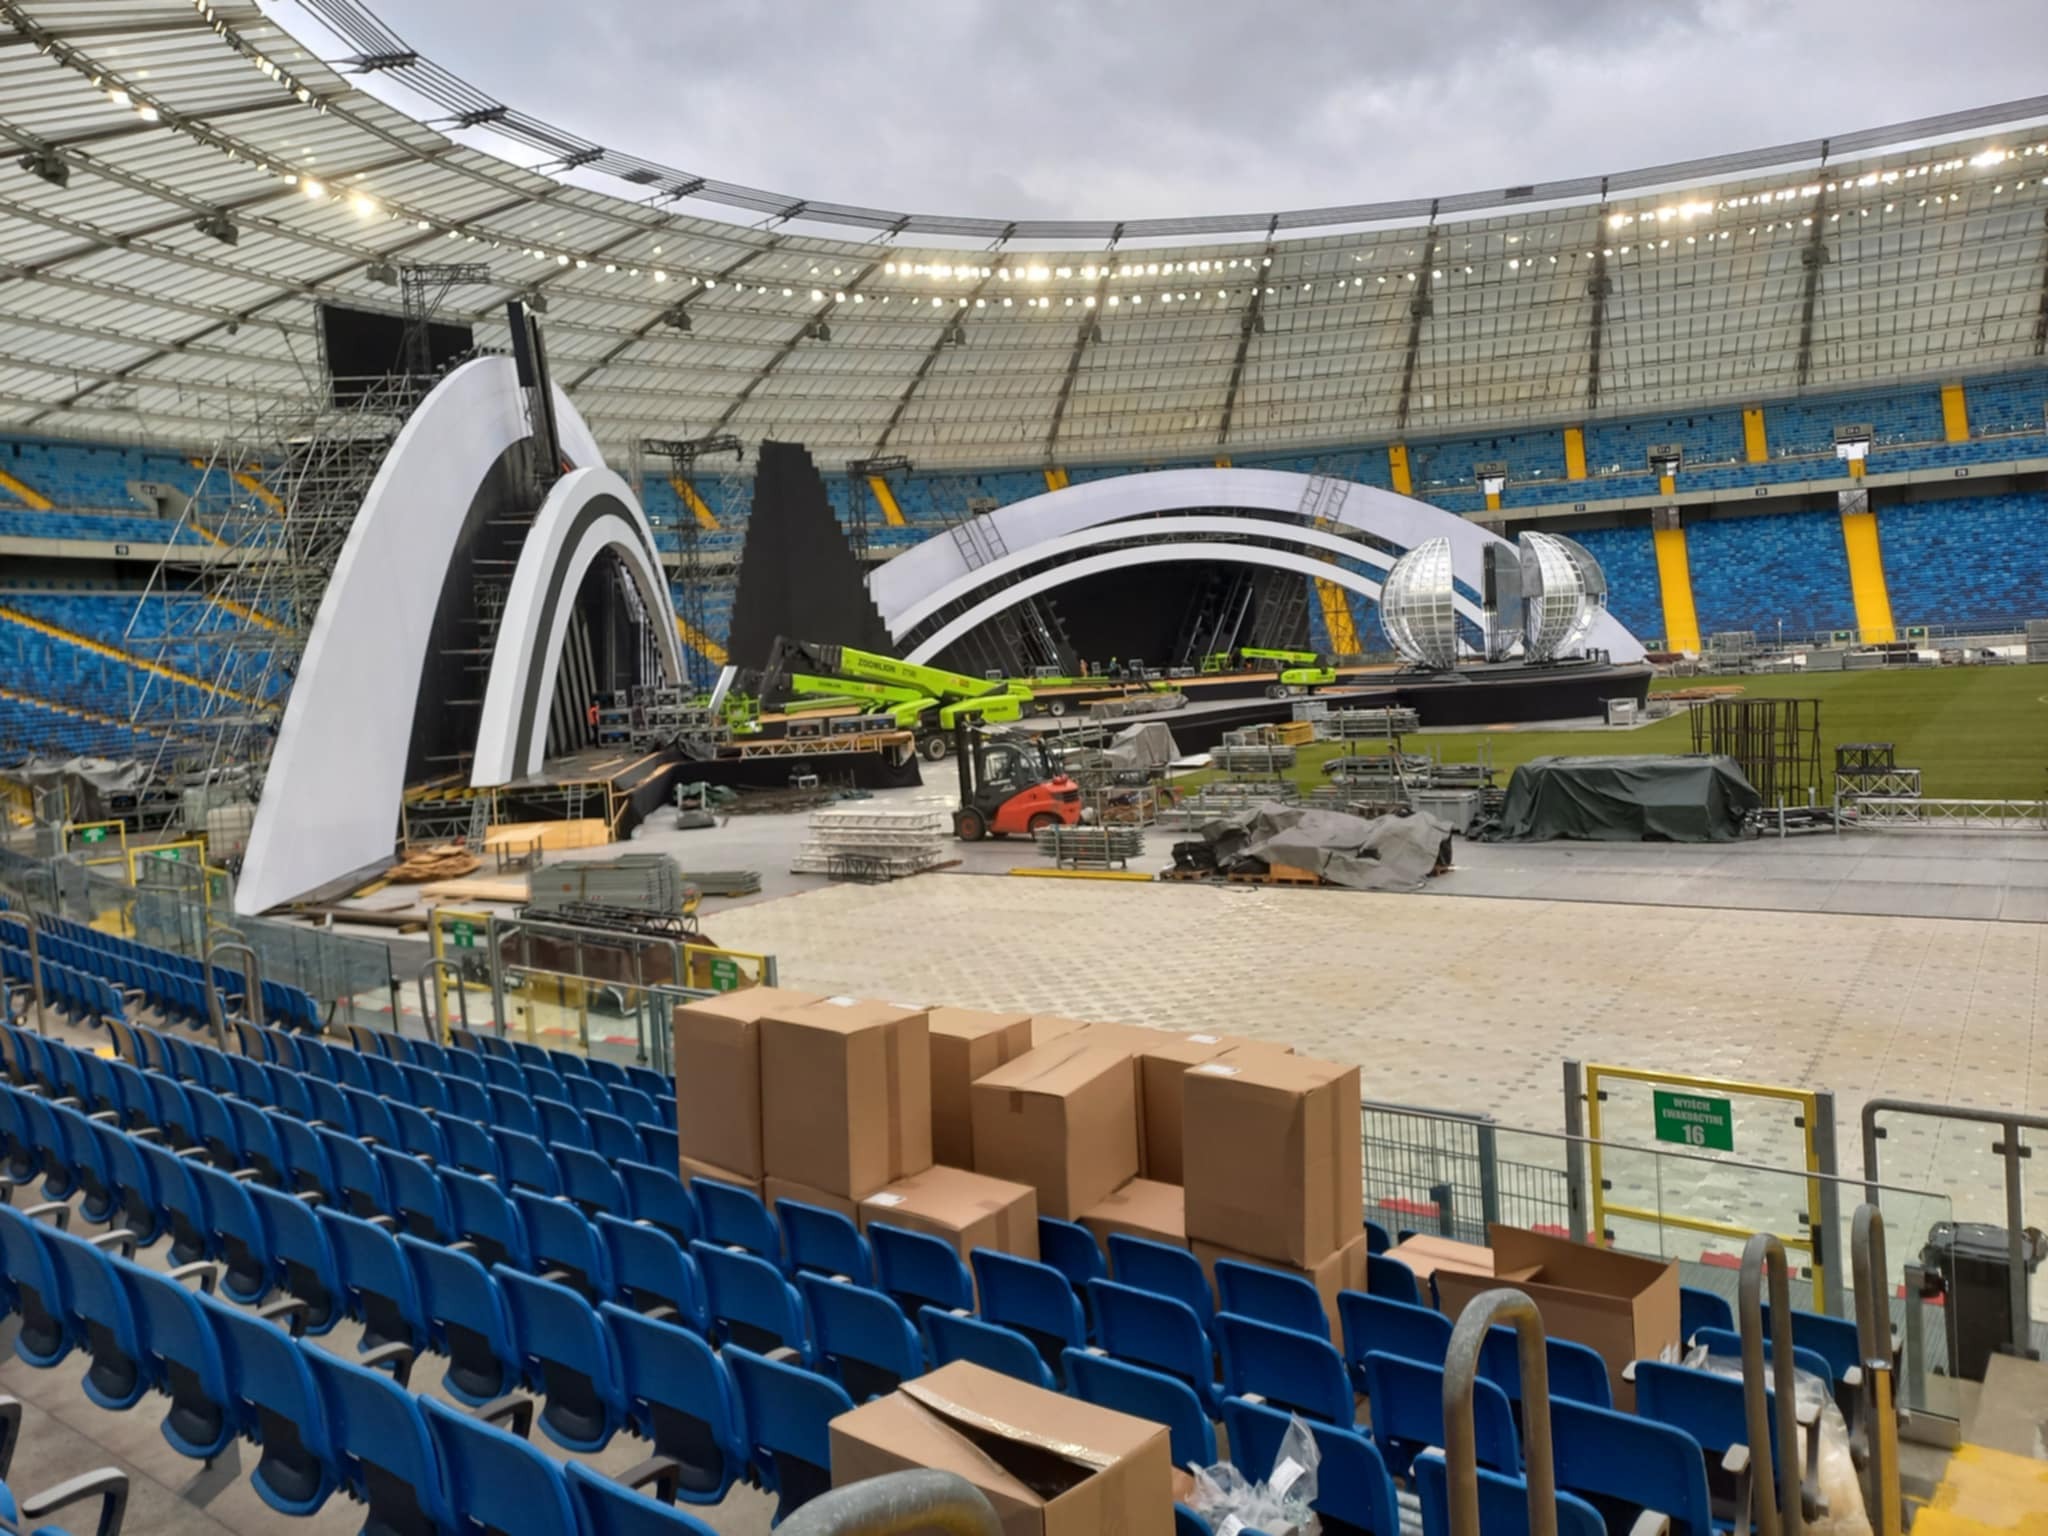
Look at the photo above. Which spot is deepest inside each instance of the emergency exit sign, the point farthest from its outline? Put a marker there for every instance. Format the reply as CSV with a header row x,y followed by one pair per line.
x,y
1694,1120
93,835
725,974
462,935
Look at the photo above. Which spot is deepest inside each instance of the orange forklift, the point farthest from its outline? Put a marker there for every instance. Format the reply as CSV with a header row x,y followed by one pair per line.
x,y
1009,783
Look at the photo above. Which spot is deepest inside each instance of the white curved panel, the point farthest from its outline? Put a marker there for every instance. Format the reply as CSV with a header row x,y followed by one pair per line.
x,y
331,795
587,512
904,583
1153,554
1110,533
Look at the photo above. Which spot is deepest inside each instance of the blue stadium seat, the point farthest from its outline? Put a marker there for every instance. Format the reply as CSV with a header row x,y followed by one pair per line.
x,y
278,1408
494,1479
302,1257
1158,1332
237,1236
376,1283
734,1217
359,1185
1699,1309
1071,1249
652,1274
1408,1414
1388,1277
568,1356
1618,1459
680,1398
418,1199
950,1336
183,1209
1165,1269
657,1197
466,1320
612,1138
1126,1388
919,1270
1503,1503
861,1338
1033,1298
823,1242
1292,1370
1354,1494
527,1163
96,1310
609,1508
379,1441
1391,1327
471,1148
589,1182
30,1287
786,1411
485,1218
565,1245
748,1301
419,1134
1574,1370
1715,1342
1271,1296
182,1355
307,1167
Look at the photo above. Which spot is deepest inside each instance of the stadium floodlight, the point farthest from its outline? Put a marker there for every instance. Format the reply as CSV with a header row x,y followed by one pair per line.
x,y
535,300
218,226
46,165
817,330
382,272
954,335
676,318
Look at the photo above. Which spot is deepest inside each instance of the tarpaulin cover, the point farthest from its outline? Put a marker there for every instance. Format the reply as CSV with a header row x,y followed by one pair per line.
x,y
1626,800
1386,853
1140,747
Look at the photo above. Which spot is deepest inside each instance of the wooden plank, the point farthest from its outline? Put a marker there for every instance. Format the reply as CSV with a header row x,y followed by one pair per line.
x,y
477,888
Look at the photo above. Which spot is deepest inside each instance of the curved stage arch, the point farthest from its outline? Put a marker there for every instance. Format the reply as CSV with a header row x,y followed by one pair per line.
x,y
589,512
921,581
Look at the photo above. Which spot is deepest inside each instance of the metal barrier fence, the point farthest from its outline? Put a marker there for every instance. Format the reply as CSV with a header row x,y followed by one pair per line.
x,y
1442,1171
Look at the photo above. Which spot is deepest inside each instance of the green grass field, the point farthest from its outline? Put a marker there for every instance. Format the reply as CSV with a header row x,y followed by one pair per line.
x,y
1974,732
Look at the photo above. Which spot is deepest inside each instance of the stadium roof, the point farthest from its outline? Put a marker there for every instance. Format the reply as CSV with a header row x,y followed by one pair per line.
x,y
187,180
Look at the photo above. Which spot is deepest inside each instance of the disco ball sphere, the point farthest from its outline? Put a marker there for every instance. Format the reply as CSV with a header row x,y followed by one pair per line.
x,y
1416,607
1564,592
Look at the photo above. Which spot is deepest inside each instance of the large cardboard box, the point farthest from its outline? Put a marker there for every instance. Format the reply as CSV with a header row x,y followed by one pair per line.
x,y
966,1044
718,1075
1426,1255
1624,1307
1343,1270
1162,1063
846,1091
774,1189
1048,1027
692,1170
1062,1118
1051,1465
968,1210
1271,1155
1142,1208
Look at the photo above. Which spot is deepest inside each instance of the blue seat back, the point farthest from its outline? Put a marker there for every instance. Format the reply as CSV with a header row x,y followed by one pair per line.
x,y
607,1508
1032,1298
358,1176
184,1353
289,1093
379,1436
1352,1485
650,1270
496,1479
305,1156
568,1355
464,1310
1158,1332
484,1215
470,1146
748,1301
238,1234
659,1144
1705,1404
1503,1503
950,1336
1391,1327
680,1398
610,1137
589,1095
512,1109
372,1115
919,1270
423,1088
786,1412
1599,1453
1389,1277
1717,1342
824,1242
417,1198
1574,1370
303,1254
1294,1370
1833,1339
100,1315
1271,1296
561,1236
1699,1309
377,1281
469,1099
1125,1388
418,1132
1408,1414
28,1280
589,1181
1071,1249
860,1337
734,1217
561,1123
277,1406
635,1107
526,1160
1163,1268
657,1196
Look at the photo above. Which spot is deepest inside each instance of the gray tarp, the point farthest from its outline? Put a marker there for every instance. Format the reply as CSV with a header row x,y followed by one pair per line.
x,y
1386,853
1140,748
1626,800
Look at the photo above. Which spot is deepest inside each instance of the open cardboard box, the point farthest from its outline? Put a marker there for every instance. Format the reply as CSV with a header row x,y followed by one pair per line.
x,y
1624,1307
1051,1465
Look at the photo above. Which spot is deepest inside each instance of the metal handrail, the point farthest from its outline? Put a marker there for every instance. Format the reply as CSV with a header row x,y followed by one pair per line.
x,y
432,1015
1461,1442
35,964
897,1504
1878,1418
1778,1513
252,988
2010,1123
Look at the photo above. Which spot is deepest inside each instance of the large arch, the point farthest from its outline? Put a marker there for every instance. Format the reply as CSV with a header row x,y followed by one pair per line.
x,y
588,513
912,582
336,778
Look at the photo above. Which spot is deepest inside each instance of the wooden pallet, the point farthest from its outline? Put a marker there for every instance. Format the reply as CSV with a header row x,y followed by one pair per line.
x,y
1277,874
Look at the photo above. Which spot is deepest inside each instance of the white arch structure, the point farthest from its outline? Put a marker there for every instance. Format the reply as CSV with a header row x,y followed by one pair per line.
x,y
587,513
336,779
909,589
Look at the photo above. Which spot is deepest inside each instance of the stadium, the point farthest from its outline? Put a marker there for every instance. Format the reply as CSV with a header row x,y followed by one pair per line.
x,y
678,858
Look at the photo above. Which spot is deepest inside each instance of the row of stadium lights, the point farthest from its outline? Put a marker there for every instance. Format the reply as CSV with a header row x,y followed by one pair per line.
x,y
366,206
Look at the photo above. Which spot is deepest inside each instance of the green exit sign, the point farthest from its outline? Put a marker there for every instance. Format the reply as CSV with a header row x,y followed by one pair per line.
x,y
93,835
173,854
462,935
1695,1120
725,974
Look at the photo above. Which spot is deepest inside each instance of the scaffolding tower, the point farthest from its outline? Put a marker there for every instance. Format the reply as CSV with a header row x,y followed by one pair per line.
x,y
694,579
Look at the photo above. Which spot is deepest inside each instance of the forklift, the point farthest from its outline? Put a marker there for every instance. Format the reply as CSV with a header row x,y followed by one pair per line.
x,y
1009,783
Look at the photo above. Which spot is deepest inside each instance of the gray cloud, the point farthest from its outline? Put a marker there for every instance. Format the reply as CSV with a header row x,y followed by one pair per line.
x,y
1030,109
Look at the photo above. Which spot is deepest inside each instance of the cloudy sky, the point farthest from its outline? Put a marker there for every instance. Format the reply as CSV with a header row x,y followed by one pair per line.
x,y
1139,108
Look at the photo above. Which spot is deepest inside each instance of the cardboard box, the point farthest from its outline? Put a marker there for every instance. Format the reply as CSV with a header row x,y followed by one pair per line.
x,y
968,1210
966,1044
774,1189
1427,1256
1624,1307
845,1095
693,1169
1048,1027
1063,1119
1051,1465
1162,1063
718,1075
1142,1208
1271,1160
1343,1270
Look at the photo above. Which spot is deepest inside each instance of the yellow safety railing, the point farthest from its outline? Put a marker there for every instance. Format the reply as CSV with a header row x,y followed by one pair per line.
x,y
190,851
1806,1099
93,838
710,969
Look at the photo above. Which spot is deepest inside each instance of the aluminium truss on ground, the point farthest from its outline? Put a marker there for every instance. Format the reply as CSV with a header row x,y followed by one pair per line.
x,y
226,614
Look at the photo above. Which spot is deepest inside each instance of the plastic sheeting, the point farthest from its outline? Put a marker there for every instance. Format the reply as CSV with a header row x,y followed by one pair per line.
x,y
1387,853
1626,800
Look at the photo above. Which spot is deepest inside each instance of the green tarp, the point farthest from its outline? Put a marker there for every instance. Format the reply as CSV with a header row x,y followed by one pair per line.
x,y
1627,800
